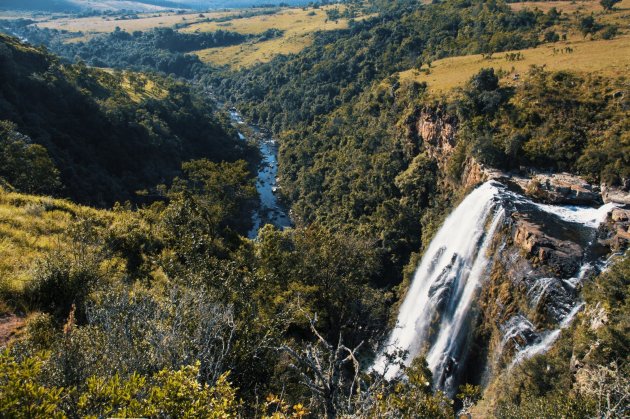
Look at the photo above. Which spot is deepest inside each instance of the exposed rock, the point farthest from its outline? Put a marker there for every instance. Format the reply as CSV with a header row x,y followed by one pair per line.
x,y
563,256
437,130
476,173
620,215
618,195
473,175
616,231
598,317
560,189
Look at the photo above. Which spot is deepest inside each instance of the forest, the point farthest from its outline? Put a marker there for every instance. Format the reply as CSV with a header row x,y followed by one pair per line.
x,y
129,286
123,116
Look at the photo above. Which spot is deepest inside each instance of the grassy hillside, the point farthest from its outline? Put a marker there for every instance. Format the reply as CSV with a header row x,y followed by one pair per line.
x,y
604,57
577,53
140,22
32,227
298,26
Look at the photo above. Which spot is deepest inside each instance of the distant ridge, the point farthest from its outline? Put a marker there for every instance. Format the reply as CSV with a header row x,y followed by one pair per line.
x,y
134,5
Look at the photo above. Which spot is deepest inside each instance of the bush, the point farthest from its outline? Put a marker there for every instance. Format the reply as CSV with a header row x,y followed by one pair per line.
x,y
169,393
65,277
21,393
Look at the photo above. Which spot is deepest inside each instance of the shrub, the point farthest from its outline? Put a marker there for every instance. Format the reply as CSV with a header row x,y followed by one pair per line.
x,y
22,395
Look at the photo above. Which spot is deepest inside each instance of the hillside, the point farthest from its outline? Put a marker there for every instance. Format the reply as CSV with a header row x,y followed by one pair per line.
x,y
381,208
95,125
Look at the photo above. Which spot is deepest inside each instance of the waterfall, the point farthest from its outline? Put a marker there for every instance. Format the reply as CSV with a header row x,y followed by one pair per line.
x,y
436,318
435,315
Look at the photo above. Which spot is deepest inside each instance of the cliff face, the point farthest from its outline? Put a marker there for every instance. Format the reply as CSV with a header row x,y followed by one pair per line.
x,y
437,130
432,129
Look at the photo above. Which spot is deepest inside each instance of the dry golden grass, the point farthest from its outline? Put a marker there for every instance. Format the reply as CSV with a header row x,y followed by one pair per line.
x,y
611,58
140,88
619,15
91,25
292,20
246,55
31,226
567,6
298,25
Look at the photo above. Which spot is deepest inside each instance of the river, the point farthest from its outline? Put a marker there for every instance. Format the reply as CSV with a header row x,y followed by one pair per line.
x,y
270,211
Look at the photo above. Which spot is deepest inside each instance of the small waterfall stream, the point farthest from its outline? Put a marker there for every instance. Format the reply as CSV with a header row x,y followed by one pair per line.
x,y
437,316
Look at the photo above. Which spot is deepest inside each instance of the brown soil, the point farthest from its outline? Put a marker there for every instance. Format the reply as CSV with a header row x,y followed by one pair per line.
x,y
10,327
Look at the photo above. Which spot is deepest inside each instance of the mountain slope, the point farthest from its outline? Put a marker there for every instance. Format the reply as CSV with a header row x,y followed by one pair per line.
x,y
109,133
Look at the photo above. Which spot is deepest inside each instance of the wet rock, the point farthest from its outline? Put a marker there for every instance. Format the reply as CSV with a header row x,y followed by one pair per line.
x,y
518,332
551,298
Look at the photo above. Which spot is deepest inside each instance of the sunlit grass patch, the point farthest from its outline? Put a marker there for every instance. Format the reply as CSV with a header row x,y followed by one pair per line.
x,y
605,57
298,25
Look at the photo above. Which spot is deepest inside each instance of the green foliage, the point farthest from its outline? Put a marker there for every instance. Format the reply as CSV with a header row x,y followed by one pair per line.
x,y
413,398
469,395
21,392
555,407
324,274
588,25
109,133
167,394
576,125
26,166
609,291
228,187
66,277
585,374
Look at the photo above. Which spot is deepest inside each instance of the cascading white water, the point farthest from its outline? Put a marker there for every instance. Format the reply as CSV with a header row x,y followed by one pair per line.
x,y
445,284
436,317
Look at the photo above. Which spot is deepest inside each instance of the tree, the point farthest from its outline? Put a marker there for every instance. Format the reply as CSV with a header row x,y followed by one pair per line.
x,y
608,4
412,397
226,189
169,393
24,165
588,25
323,369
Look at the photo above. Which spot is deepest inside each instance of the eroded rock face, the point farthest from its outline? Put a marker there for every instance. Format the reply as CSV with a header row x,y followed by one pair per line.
x,y
560,189
540,261
618,195
617,228
437,130
563,256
